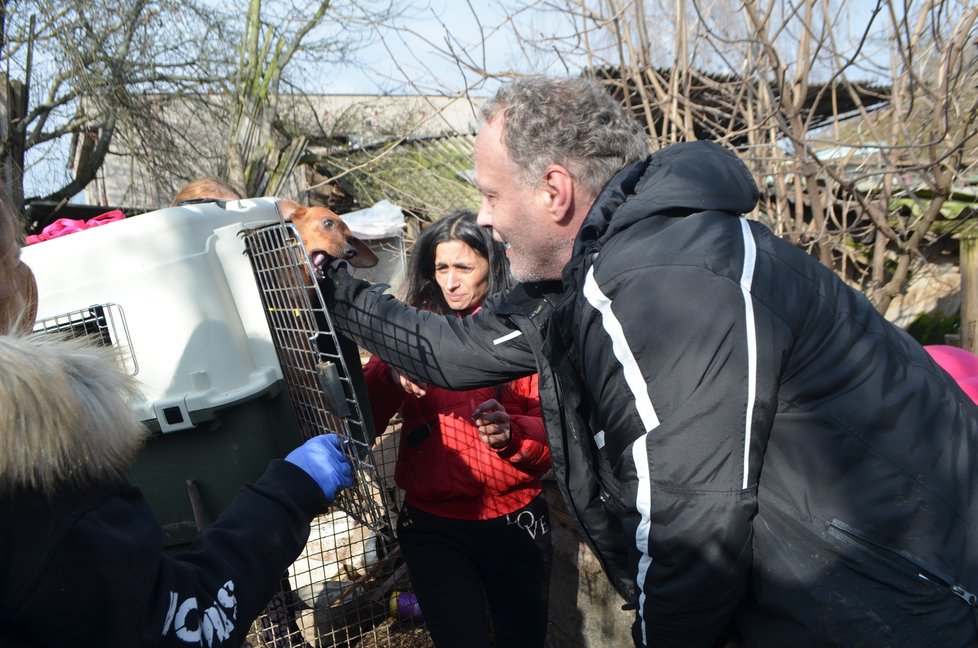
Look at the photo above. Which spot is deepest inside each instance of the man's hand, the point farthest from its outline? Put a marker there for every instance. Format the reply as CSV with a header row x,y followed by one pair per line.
x,y
322,458
492,422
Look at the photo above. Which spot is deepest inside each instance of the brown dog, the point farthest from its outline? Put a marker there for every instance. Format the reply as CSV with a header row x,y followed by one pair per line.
x,y
325,237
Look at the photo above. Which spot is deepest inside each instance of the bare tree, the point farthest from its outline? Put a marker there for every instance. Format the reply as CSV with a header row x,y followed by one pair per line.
x,y
181,88
264,145
863,188
857,119
77,70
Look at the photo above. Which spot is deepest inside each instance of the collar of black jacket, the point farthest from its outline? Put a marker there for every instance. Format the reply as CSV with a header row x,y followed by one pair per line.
x,y
530,299
676,181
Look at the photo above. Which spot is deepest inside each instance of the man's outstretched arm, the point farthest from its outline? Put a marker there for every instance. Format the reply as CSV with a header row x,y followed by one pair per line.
x,y
452,352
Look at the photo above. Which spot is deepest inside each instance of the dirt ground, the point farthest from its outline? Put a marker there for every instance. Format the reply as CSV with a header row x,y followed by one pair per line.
x,y
399,634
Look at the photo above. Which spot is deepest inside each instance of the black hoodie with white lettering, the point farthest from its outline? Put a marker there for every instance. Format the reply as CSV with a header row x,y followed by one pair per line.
x,y
81,552
87,568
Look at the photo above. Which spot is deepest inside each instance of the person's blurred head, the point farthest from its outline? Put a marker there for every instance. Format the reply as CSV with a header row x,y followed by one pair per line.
x,y
206,189
546,149
454,265
18,288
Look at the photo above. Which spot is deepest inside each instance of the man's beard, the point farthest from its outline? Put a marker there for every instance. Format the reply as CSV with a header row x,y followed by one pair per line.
x,y
544,263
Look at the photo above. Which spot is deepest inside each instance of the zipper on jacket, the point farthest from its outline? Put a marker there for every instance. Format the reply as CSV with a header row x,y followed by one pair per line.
x,y
901,560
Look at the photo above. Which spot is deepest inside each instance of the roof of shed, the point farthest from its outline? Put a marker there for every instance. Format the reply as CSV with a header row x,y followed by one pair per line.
x,y
426,176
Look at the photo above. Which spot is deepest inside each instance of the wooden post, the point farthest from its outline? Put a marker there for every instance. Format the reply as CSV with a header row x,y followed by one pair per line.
x,y
968,262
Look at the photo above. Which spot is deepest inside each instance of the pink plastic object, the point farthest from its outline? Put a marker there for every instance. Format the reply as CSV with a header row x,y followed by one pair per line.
x,y
961,364
107,217
64,226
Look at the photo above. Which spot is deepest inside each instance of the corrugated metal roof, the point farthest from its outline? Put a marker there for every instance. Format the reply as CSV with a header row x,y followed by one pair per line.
x,y
428,177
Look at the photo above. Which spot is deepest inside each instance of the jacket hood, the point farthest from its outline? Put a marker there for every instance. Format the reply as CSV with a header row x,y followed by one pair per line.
x,y
66,419
676,181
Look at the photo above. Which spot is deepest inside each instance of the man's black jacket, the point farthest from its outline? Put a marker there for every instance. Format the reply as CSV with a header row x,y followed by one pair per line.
x,y
739,434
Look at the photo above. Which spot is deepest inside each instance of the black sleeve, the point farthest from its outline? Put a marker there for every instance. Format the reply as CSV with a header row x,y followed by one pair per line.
x,y
238,559
451,352
108,582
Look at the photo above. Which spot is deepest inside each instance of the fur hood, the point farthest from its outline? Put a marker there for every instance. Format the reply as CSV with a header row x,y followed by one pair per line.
x,y
66,421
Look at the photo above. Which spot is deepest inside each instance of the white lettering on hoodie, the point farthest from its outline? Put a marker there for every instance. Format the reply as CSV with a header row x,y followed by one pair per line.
x,y
192,626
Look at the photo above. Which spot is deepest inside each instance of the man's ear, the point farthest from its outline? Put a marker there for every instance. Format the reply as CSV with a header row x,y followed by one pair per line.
x,y
559,187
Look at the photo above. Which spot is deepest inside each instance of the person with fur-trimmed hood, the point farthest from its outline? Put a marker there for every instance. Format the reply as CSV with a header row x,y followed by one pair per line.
x,y
81,553
740,436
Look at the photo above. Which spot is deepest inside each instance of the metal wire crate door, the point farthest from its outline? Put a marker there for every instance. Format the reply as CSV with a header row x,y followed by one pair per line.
x,y
343,580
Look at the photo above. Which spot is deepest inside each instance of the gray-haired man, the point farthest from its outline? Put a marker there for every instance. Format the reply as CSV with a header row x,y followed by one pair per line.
x,y
740,436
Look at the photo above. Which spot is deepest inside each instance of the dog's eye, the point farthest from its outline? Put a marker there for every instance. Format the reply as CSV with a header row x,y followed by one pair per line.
x,y
328,223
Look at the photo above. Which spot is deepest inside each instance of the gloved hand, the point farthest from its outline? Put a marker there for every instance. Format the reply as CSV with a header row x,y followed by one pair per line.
x,y
337,285
331,275
323,460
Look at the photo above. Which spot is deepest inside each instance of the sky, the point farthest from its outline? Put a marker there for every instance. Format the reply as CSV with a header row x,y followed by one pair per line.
x,y
416,48
410,50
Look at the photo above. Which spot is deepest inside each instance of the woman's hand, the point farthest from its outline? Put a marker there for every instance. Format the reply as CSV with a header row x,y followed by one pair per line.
x,y
415,389
492,421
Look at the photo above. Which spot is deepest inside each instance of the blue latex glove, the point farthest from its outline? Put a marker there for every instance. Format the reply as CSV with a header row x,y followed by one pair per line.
x,y
323,460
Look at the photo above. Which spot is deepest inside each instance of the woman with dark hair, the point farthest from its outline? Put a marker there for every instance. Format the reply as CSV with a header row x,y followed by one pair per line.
x,y
424,291
475,528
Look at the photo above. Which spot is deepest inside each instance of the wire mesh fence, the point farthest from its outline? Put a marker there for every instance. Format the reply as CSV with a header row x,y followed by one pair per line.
x,y
344,588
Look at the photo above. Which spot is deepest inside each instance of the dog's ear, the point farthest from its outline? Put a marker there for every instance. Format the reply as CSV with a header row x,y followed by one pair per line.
x,y
287,209
365,258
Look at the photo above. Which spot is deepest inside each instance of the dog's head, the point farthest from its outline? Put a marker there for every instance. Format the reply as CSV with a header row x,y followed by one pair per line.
x,y
326,237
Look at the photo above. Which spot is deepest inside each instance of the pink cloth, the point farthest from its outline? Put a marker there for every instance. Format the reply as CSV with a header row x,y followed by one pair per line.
x,y
64,226
961,364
